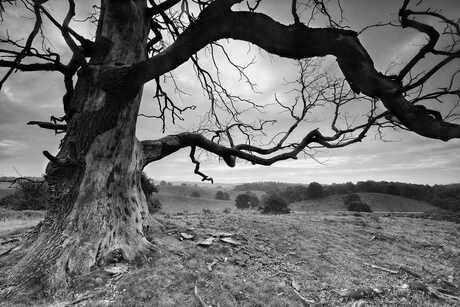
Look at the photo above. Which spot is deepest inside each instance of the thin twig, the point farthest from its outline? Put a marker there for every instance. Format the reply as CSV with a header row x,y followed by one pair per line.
x,y
381,268
198,297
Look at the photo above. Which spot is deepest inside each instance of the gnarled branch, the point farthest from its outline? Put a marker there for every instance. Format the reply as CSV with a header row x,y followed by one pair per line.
x,y
217,21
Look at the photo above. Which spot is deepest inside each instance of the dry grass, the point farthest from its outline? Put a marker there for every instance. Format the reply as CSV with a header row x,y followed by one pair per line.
x,y
376,201
323,255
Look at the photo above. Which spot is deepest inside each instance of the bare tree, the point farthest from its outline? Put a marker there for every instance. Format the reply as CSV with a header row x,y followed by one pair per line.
x,y
98,209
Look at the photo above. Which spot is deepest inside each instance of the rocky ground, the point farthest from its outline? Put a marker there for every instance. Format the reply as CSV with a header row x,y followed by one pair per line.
x,y
300,259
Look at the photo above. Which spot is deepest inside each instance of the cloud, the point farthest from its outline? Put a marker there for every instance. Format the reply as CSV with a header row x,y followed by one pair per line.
x,y
11,148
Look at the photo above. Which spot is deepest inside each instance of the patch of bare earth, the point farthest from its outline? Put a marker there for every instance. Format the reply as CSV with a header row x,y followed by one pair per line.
x,y
299,259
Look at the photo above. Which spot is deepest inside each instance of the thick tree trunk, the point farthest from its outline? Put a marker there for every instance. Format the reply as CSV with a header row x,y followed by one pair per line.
x,y
98,208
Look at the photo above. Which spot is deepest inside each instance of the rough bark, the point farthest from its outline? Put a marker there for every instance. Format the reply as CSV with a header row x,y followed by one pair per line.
x,y
98,207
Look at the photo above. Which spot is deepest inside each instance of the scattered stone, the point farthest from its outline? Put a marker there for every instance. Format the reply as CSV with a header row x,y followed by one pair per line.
x,y
360,303
206,242
358,294
186,236
230,241
117,269
221,234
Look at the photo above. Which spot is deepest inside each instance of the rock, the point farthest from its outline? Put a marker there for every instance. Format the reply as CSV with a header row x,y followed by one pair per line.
x,y
186,236
116,269
360,303
221,234
206,242
357,294
230,241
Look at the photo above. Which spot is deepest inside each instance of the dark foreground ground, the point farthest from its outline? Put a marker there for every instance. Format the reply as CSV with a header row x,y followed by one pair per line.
x,y
299,259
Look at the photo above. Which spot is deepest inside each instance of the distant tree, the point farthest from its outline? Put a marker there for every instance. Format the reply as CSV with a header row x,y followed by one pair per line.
x,y
246,200
29,195
393,189
154,205
353,202
222,195
315,190
195,194
295,193
275,204
147,185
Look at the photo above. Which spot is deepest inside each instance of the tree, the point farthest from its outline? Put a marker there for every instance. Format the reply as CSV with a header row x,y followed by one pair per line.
x,y
195,194
315,190
97,207
222,195
353,202
295,193
273,203
246,200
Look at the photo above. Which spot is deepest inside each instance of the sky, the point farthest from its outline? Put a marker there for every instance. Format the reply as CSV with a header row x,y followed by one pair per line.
x,y
402,156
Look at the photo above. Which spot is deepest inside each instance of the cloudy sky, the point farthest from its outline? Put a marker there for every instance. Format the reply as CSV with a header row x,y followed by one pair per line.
x,y
402,156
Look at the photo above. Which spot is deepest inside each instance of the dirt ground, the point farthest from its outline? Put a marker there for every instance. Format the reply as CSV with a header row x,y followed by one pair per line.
x,y
299,259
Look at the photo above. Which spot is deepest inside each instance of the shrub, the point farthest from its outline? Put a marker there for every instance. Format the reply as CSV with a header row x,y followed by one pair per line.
x,y
195,194
275,204
222,195
315,190
147,185
354,203
154,205
295,193
246,200
29,195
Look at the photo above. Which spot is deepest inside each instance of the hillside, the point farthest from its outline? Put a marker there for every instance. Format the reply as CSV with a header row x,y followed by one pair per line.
x,y
5,189
377,202
173,203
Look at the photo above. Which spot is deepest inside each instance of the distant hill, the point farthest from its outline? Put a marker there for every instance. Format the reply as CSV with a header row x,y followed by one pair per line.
x,y
376,201
5,189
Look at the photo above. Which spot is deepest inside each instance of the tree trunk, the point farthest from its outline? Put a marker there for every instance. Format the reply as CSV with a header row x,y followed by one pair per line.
x,y
98,207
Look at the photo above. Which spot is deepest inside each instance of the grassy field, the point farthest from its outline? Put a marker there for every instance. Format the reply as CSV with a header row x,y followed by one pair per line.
x,y
376,201
329,259
310,257
5,189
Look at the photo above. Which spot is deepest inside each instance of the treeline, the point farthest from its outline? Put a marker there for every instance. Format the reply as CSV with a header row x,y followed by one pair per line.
x,y
264,186
443,196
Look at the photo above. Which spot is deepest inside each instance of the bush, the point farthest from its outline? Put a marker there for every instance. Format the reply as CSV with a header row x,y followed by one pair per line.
x,y
246,200
195,194
29,195
222,195
295,193
154,205
275,204
315,190
147,185
354,203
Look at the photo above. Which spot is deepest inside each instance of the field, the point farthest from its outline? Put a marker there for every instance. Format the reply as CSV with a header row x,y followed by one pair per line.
x,y
5,189
310,257
376,201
